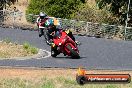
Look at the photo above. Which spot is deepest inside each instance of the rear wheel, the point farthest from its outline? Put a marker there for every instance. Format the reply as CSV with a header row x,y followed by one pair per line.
x,y
74,54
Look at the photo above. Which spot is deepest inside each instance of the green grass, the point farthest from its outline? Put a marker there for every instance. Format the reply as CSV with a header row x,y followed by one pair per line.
x,y
7,40
29,48
48,84
111,86
58,82
7,49
13,83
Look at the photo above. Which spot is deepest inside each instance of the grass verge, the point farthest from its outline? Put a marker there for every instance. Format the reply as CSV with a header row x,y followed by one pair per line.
x,y
30,49
51,78
10,50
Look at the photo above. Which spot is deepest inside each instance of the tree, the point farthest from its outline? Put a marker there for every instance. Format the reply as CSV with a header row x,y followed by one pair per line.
x,y
117,7
91,13
57,8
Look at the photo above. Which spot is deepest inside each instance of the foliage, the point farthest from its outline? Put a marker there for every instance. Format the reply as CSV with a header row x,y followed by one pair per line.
x,y
33,50
56,8
26,45
31,18
93,14
117,7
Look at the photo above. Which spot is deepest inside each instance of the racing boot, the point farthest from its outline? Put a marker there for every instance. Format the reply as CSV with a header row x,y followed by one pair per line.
x,y
40,35
49,42
78,43
41,32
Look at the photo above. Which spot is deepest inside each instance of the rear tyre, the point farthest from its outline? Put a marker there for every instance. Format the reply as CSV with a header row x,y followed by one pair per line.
x,y
74,54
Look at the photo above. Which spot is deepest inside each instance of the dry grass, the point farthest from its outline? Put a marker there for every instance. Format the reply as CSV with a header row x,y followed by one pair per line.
x,y
9,50
33,74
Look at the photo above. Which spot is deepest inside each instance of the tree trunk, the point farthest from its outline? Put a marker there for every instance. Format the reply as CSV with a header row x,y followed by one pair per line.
x,y
1,15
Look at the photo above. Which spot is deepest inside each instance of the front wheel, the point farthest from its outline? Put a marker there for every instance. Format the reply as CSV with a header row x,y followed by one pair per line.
x,y
74,54
45,34
48,38
54,51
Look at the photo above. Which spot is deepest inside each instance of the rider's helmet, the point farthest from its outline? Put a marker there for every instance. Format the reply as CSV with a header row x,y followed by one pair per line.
x,y
49,22
50,25
42,15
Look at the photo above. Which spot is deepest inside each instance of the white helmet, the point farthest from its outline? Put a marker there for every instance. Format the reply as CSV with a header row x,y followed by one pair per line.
x,y
42,15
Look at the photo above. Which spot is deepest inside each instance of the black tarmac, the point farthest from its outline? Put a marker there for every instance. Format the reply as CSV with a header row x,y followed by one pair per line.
x,y
96,53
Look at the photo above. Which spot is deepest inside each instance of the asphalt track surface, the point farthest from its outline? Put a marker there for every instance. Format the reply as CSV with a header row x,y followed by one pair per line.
x,y
96,53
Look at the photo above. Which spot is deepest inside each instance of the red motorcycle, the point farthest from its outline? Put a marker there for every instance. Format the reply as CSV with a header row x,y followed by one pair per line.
x,y
64,44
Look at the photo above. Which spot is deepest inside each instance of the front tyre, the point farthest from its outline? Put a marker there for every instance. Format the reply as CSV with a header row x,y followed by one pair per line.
x,y
54,51
48,37
45,34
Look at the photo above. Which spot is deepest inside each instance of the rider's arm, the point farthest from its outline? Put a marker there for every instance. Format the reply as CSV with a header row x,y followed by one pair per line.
x,y
38,19
43,21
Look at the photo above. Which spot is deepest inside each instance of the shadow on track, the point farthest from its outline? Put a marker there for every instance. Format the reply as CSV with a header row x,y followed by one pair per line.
x,y
68,57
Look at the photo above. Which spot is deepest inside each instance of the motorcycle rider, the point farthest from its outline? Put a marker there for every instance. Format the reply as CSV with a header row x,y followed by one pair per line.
x,y
50,23
41,19
53,30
